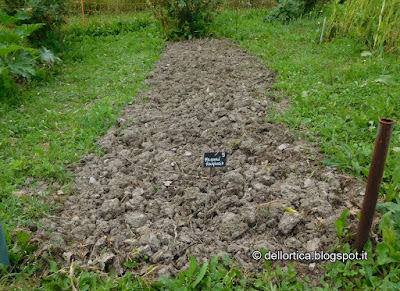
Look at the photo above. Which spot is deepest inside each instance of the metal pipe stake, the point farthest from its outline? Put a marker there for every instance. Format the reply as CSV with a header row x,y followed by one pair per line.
x,y
374,181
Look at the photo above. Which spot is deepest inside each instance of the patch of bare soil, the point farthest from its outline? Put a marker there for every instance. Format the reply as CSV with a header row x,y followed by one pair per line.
x,y
150,191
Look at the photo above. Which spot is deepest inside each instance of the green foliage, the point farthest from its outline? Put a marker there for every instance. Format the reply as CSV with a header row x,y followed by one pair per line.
x,y
17,59
373,22
97,28
381,270
341,224
338,90
49,126
286,11
50,13
113,6
185,18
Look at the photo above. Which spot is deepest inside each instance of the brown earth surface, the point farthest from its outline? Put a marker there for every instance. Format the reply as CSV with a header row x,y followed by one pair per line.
x,y
150,192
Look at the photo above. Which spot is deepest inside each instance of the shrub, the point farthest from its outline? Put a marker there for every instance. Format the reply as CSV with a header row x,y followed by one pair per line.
x,y
17,59
185,18
49,12
286,11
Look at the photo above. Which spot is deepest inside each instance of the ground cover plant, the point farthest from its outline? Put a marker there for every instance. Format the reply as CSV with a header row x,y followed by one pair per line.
x,y
339,97
337,90
50,125
336,101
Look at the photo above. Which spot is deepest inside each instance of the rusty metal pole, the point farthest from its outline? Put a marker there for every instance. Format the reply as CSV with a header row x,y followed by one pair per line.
x,y
83,13
374,181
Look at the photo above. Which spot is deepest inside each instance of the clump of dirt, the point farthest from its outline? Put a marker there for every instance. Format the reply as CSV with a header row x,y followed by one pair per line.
x,y
149,192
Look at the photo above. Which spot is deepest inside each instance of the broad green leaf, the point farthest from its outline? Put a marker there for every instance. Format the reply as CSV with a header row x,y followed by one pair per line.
x,y
5,49
201,274
7,19
193,266
47,55
22,64
341,223
389,236
382,252
23,237
53,267
25,30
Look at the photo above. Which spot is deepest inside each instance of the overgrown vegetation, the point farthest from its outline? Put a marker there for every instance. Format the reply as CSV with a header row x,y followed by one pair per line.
x,y
374,22
185,18
53,123
50,13
288,10
337,90
17,59
29,33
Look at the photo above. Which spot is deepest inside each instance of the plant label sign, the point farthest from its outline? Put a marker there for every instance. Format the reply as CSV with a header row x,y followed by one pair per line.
x,y
212,160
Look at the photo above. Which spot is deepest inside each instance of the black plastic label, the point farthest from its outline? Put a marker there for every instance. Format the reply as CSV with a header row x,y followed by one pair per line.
x,y
215,159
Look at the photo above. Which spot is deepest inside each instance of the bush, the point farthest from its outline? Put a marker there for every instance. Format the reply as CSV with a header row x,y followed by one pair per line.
x,y
49,12
286,11
185,18
17,59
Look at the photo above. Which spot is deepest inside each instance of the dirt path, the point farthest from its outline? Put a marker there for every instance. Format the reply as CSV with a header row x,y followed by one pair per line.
x,y
150,190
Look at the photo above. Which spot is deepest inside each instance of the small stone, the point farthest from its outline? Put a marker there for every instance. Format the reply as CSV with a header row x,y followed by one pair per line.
x,y
283,146
167,183
311,266
308,183
135,219
313,245
258,186
110,205
145,250
60,192
92,180
187,154
120,121
288,222
167,271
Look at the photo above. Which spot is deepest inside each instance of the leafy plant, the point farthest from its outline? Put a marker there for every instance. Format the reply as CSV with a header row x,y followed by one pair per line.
x,y
17,59
185,18
381,270
48,12
286,11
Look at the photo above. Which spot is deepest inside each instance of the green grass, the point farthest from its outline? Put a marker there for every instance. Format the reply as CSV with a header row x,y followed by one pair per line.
x,y
336,93
53,122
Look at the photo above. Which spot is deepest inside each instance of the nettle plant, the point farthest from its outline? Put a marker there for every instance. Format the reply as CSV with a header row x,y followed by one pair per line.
x,y
185,18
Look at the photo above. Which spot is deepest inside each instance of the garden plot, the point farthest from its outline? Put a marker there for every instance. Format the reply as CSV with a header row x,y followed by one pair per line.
x,y
150,192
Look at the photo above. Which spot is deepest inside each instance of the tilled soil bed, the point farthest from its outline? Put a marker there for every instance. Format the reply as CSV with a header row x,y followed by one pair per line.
x,y
150,192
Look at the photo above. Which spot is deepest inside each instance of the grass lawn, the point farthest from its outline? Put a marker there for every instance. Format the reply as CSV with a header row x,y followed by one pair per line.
x,y
337,94
52,123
